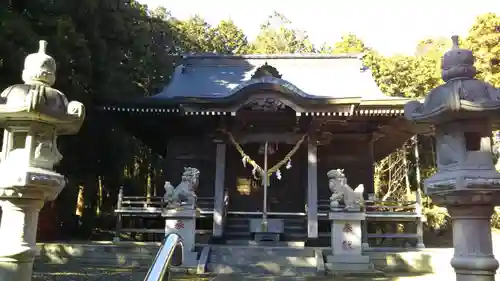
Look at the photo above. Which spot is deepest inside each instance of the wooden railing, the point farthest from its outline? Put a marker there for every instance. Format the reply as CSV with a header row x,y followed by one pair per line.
x,y
143,207
383,220
385,217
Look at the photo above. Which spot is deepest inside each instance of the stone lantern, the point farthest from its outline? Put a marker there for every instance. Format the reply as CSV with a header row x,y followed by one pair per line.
x,y
462,113
32,114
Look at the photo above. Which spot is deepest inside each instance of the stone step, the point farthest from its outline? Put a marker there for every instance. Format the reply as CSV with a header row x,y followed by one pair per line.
x,y
293,244
294,228
240,233
286,250
298,235
258,277
264,268
279,258
237,226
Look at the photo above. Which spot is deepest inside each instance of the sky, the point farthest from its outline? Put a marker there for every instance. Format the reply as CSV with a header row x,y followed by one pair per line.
x,y
389,26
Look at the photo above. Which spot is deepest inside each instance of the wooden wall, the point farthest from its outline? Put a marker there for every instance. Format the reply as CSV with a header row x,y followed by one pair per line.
x,y
194,152
285,195
351,155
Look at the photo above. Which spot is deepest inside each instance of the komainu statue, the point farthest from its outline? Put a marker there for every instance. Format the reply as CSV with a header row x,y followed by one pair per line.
x,y
353,199
184,193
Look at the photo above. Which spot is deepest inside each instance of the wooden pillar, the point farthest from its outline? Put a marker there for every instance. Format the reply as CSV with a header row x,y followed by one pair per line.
x,y
220,174
119,222
312,190
369,186
371,167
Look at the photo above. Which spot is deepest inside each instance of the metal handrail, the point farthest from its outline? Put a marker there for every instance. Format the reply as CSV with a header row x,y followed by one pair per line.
x,y
170,253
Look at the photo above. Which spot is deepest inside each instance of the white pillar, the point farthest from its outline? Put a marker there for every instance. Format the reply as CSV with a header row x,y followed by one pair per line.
x,y
220,174
312,190
18,238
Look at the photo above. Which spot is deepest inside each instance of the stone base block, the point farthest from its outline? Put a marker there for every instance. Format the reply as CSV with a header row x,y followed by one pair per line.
x,y
273,226
190,259
349,263
266,237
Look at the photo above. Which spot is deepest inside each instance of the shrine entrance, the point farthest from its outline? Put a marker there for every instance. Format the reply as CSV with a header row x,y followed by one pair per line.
x,y
286,190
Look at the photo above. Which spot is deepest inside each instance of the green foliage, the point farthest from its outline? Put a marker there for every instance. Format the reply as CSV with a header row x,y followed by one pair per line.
x,y
118,49
197,36
227,38
436,218
278,37
104,49
483,40
495,220
404,76
349,44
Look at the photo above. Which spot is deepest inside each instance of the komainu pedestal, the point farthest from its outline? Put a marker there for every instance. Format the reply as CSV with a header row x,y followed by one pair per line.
x,y
346,242
347,216
183,222
33,115
180,213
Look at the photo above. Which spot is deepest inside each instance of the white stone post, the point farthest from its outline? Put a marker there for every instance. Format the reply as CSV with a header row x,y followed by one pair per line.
x,y
180,213
219,202
346,242
33,115
312,190
347,233
183,222
461,113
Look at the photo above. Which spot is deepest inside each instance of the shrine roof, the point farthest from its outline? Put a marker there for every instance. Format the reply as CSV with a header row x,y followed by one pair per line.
x,y
311,84
213,77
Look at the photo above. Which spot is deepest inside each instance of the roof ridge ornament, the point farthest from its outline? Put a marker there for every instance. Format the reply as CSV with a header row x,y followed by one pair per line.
x,y
39,68
457,62
266,70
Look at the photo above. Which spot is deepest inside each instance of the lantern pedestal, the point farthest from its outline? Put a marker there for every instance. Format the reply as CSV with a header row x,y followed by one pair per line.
x,y
471,212
18,236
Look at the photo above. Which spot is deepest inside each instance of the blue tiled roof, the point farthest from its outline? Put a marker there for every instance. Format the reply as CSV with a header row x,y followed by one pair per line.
x,y
310,76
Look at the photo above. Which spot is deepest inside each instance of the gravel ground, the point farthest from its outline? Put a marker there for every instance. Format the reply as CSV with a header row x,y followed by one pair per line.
x,y
87,274
63,273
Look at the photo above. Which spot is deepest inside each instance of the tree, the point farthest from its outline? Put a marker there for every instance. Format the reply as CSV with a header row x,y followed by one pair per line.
x,y
403,76
104,49
276,36
433,47
483,40
227,38
193,34
196,35
349,44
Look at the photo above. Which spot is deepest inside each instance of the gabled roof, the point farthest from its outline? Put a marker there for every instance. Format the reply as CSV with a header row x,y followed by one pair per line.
x,y
218,77
312,84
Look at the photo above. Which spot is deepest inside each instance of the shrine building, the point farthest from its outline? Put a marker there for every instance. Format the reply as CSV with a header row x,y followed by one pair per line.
x,y
314,113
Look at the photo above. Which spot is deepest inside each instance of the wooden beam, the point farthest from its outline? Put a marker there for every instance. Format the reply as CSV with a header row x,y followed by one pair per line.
x,y
288,138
